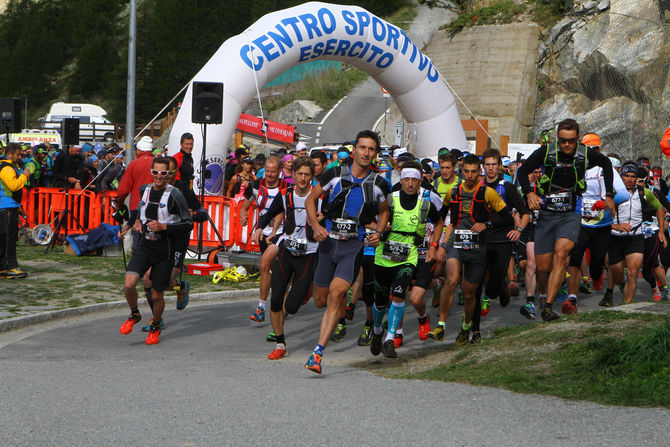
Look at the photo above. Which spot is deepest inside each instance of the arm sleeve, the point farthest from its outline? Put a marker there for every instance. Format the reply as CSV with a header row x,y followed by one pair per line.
x,y
595,158
180,208
9,178
515,199
536,160
494,201
276,207
662,199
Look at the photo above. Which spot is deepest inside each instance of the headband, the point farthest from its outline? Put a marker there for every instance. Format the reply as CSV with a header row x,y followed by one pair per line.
x,y
287,158
410,173
629,169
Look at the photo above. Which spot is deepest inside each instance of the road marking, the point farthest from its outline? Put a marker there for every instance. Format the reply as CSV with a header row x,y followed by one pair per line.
x,y
331,110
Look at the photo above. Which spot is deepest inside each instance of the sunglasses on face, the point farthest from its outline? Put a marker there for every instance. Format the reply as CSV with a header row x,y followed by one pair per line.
x,y
568,140
161,173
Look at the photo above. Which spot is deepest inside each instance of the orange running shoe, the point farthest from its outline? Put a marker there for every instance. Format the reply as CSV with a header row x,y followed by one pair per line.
x,y
398,340
279,352
598,283
569,307
314,362
154,332
127,326
424,328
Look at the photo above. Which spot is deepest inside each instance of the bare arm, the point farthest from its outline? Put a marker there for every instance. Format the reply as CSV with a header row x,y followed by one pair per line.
x,y
320,233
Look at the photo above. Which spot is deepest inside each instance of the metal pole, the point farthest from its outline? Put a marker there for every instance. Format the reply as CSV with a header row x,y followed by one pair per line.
x,y
25,114
130,104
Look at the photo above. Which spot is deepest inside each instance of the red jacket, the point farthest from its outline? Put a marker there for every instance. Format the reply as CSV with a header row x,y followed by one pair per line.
x,y
137,173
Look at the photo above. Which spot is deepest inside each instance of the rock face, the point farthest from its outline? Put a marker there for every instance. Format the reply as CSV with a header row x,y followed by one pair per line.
x,y
296,112
608,67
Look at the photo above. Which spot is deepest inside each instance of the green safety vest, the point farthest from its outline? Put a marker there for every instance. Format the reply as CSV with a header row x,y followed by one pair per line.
x,y
407,227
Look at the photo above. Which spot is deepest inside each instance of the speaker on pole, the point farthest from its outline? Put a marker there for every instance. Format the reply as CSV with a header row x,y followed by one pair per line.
x,y
69,131
10,115
207,103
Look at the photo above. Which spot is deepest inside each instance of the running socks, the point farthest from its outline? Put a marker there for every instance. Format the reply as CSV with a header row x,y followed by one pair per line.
x,y
466,326
135,311
530,299
396,313
422,319
280,339
262,304
150,300
319,349
378,317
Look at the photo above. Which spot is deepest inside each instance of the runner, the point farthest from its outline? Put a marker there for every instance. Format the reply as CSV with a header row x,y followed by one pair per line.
x,y
471,207
297,251
527,256
397,256
557,228
354,192
595,230
628,232
262,193
161,214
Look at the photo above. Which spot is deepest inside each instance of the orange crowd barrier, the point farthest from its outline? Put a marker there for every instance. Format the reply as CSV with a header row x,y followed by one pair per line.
x,y
46,205
222,210
242,234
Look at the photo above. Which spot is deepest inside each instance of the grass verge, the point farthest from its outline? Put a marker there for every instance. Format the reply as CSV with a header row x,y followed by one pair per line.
x,y
609,357
58,281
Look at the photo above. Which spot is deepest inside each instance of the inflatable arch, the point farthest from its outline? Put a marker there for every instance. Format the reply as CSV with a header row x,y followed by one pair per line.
x,y
317,30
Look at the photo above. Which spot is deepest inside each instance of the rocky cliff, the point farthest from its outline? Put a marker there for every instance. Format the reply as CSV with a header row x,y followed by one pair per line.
x,y
608,66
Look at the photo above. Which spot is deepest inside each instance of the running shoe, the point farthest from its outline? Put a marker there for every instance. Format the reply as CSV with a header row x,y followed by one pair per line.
x,y
513,289
364,338
398,340
147,328
127,326
548,315
598,283
476,338
183,294
279,352
259,316
569,307
486,303
463,337
437,291
271,337
461,300
562,294
437,333
376,344
349,311
665,294
505,295
314,362
656,294
339,332
607,300
424,328
585,287
388,349
154,333
15,273
528,311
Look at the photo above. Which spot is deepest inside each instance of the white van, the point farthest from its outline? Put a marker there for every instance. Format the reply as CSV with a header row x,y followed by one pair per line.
x,y
92,122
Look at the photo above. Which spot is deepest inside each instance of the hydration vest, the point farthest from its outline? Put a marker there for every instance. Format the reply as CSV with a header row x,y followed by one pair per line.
x,y
578,165
163,215
479,211
336,208
289,224
263,192
405,228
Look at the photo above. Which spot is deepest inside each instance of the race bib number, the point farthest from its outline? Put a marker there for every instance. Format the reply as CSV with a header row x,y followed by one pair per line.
x,y
344,229
587,211
466,239
151,235
396,251
560,202
295,246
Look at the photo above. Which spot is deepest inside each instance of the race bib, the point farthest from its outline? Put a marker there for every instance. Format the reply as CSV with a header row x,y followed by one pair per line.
x,y
649,229
587,211
151,236
344,229
559,202
295,246
466,239
396,251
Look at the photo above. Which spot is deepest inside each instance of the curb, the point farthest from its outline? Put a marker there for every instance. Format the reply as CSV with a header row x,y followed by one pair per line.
x,y
29,320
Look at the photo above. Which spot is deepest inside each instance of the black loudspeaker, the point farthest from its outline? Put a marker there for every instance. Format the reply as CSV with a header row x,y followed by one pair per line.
x,y
207,103
69,131
10,115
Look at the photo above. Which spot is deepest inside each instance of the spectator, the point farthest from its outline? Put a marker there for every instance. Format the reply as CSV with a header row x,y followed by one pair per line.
x,y
68,168
137,173
11,184
91,174
231,165
112,177
300,149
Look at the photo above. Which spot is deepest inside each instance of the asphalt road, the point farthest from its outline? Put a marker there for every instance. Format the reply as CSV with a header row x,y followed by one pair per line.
x,y
208,382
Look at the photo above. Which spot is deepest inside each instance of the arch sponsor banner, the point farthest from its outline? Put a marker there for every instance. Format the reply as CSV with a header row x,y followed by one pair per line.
x,y
317,30
273,130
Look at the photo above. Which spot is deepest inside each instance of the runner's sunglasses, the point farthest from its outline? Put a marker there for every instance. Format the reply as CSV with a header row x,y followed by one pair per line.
x,y
161,173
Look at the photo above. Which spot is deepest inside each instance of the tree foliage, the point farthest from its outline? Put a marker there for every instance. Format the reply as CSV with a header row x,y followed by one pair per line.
x,y
77,50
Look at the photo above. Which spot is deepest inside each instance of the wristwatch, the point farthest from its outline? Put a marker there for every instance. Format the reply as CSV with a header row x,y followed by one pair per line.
x,y
519,229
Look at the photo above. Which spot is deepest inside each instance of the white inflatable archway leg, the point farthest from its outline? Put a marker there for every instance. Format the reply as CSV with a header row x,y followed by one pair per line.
x,y
312,31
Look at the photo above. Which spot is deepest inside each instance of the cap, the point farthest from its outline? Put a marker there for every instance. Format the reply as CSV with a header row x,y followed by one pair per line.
x,y
427,165
456,153
145,144
247,160
398,152
260,157
591,140
506,161
301,146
